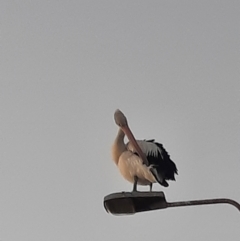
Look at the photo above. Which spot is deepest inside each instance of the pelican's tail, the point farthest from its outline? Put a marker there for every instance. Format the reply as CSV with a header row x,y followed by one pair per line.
x,y
160,178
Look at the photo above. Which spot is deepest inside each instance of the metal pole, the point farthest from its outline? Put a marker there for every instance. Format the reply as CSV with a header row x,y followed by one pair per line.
x,y
204,202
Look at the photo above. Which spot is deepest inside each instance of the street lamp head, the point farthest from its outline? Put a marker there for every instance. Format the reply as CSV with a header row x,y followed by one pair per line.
x,y
134,202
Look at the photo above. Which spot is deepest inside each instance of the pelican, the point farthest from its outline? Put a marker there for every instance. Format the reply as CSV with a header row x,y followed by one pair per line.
x,y
141,162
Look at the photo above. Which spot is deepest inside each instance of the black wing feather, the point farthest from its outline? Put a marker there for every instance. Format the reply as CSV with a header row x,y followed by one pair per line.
x,y
163,168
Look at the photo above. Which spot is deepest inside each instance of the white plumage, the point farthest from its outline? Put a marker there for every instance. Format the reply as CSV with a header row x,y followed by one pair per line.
x,y
148,148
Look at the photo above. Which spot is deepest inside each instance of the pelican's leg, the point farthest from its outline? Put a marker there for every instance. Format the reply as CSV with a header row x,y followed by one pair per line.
x,y
135,184
150,186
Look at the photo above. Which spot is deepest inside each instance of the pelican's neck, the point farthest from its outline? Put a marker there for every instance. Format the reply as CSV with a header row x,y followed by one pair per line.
x,y
118,146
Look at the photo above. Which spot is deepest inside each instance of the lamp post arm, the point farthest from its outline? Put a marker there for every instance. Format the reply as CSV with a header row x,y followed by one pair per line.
x,y
204,202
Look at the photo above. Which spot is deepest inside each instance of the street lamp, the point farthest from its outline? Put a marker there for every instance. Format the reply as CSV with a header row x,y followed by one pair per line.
x,y
134,202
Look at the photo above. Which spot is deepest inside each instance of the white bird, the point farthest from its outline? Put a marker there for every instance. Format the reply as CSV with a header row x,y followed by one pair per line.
x,y
141,162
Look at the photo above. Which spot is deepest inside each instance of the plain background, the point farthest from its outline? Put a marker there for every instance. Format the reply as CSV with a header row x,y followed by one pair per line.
x,y
171,66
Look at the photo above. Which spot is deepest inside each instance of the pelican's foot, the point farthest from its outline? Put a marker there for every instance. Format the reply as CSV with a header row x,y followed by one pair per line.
x,y
134,191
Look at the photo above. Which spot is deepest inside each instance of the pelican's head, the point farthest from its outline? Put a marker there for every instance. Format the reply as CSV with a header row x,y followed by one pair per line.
x,y
120,119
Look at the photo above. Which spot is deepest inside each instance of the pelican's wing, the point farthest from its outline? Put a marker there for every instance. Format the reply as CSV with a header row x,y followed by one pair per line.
x,y
159,159
149,148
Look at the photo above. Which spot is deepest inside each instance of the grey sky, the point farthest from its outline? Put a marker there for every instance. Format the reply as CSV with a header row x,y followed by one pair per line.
x,y
171,66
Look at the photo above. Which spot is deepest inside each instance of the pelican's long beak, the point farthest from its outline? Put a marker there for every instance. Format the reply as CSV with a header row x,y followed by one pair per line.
x,y
132,139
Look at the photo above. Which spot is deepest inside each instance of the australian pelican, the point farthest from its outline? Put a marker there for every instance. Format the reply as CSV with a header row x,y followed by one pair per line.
x,y
141,162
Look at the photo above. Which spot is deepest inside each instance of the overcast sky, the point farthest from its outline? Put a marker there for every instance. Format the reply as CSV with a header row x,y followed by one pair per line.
x,y
171,66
